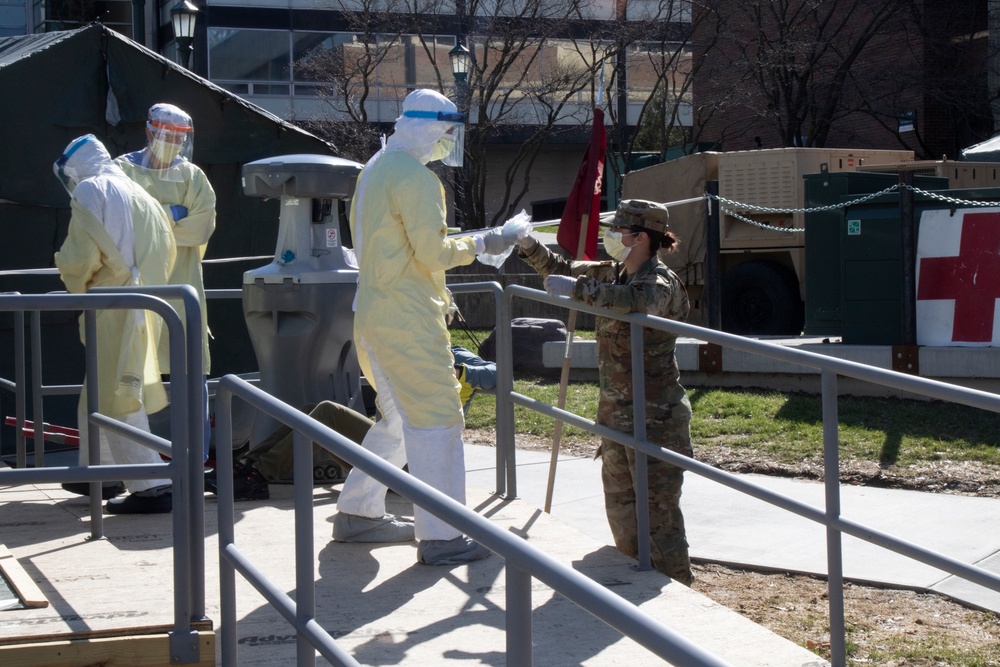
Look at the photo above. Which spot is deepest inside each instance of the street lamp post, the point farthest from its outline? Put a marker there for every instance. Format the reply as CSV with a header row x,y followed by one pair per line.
x,y
183,18
460,60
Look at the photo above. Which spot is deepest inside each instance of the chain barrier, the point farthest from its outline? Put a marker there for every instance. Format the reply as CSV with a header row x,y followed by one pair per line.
x,y
951,200
830,207
755,223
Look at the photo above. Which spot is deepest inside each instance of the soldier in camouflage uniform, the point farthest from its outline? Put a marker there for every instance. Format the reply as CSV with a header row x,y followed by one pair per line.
x,y
637,282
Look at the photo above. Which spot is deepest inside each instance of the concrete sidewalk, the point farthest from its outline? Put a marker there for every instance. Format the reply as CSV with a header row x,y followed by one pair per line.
x,y
726,526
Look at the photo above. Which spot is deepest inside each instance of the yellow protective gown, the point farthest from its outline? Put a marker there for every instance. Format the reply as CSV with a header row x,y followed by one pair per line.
x,y
187,186
402,299
126,355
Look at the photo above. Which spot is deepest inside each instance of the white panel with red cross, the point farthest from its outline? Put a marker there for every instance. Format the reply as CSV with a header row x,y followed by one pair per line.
x,y
958,278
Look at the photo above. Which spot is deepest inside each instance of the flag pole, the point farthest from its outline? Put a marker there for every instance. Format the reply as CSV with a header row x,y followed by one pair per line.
x,y
583,204
564,375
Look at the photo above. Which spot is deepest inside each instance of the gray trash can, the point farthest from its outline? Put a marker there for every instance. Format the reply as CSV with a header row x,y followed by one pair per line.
x,y
298,308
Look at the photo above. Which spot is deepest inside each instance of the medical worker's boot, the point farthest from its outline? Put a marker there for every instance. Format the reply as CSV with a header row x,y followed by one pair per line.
x,y
458,551
354,528
154,501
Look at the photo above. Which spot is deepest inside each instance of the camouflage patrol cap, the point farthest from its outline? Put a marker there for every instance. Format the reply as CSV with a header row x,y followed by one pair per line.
x,y
641,213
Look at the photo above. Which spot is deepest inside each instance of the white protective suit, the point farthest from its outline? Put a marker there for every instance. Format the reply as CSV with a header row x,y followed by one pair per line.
x,y
400,237
118,236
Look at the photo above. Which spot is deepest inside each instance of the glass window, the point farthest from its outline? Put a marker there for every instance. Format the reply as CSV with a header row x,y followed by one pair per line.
x,y
238,88
412,63
333,55
256,55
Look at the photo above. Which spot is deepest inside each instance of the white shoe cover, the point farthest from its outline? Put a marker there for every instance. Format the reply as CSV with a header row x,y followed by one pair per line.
x,y
354,528
458,551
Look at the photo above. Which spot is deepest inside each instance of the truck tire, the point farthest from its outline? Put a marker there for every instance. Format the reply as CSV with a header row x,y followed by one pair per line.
x,y
761,297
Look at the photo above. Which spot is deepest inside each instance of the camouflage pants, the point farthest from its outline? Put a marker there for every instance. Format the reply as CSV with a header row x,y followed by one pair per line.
x,y
668,544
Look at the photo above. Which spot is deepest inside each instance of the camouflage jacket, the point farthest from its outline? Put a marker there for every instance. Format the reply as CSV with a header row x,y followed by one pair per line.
x,y
655,290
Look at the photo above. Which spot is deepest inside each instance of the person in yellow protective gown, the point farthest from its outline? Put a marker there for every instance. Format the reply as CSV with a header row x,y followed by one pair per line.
x,y
164,169
118,236
403,250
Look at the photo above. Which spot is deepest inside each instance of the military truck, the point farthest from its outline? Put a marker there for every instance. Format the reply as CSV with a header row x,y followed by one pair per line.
x,y
762,253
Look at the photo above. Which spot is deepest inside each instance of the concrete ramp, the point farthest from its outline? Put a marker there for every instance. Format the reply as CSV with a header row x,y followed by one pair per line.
x,y
383,607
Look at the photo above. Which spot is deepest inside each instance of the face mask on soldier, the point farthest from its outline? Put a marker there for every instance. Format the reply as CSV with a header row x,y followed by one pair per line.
x,y
614,246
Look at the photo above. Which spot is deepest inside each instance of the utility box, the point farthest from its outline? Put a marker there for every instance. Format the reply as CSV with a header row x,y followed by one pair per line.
x,y
854,255
298,308
827,236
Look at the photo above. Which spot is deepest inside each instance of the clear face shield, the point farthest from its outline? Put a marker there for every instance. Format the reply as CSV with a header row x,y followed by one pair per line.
x,y
167,147
450,148
454,142
65,172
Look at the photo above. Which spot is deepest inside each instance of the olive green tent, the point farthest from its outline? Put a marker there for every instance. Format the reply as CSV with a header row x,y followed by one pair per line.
x,y
60,85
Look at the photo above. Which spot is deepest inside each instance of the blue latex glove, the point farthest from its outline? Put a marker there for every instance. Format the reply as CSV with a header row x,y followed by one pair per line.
x,y
179,212
559,285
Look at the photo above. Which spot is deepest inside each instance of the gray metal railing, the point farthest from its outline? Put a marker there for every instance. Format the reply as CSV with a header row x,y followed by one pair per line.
x,y
186,420
829,368
524,562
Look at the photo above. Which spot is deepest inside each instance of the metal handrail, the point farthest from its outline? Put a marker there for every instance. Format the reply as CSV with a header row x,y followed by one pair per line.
x,y
524,561
830,368
188,508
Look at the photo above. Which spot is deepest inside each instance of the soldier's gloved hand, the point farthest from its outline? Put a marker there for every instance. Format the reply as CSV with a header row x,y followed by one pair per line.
x,y
527,243
179,212
495,243
559,285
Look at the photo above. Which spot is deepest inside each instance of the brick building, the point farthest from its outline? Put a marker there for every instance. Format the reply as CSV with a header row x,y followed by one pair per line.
x,y
921,82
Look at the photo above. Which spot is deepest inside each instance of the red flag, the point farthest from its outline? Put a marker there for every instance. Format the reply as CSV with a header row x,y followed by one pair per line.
x,y
585,197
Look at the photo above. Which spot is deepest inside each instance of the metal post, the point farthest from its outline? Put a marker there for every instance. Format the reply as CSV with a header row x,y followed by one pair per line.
x,y
93,431
834,553
37,411
305,580
639,431
519,652
713,271
908,238
19,382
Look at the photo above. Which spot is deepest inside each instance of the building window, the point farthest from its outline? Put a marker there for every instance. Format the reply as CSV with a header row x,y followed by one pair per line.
x,y
262,56
72,14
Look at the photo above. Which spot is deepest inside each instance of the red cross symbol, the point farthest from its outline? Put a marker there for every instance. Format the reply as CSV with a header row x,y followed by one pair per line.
x,y
972,278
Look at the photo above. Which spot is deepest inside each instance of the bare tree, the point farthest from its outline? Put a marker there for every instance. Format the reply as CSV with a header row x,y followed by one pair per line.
x,y
342,70
940,83
525,84
534,75
787,64
654,66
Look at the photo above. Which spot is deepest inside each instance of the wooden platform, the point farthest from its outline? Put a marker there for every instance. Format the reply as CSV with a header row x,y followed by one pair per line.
x,y
384,608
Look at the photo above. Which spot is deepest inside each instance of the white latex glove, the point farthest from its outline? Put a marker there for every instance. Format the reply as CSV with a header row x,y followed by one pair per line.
x,y
496,241
503,238
559,285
